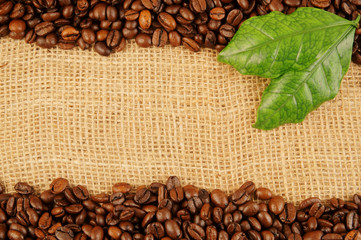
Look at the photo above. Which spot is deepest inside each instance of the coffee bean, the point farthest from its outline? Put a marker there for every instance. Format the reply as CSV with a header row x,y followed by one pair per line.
x,y
99,11
4,31
218,197
217,13
45,221
167,21
143,40
131,15
198,6
59,184
113,39
152,4
145,19
6,7
159,39
70,34
321,3
196,232
18,11
276,204
21,187
129,33
227,30
156,229
288,215
30,36
43,29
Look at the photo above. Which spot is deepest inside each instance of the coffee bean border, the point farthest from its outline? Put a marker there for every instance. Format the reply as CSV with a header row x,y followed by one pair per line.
x,y
105,25
172,212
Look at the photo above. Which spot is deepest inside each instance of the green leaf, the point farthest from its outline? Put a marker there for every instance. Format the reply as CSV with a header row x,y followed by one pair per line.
x,y
273,44
290,97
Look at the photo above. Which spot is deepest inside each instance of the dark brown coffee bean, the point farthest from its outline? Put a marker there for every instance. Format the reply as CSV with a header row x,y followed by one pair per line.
x,y
156,229
4,31
70,34
18,11
218,197
314,235
6,7
43,29
10,206
45,221
288,215
122,187
17,35
276,204
19,228
51,16
159,39
321,3
15,235
113,40
172,9
198,6
353,235
152,4
129,33
172,229
99,11
143,195
59,184
176,194
131,15
292,3
18,26
294,236
167,21
102,35
317,210
332,236
352,220
175,39
143,40
217,13
196,232
227,30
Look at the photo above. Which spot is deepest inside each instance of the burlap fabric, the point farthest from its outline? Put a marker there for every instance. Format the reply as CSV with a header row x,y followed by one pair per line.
x,y
144,114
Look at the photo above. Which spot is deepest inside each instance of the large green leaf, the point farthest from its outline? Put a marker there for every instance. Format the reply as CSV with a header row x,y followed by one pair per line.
x,y
273,44
290,97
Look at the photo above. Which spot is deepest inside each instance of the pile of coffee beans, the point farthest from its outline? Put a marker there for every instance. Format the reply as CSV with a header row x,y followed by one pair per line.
x,y
106,24
172,212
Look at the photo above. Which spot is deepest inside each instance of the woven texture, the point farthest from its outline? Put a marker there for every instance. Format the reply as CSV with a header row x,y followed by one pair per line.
x,y
144,114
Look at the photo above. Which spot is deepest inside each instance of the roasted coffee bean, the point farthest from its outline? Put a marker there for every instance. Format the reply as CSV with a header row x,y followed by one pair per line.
x,y
227,30
143,40
122,187
175,39
131,15
159,39
45,221
129,33
43,29
198,6
113,40
4,31
145,19
70,34
276,204
217,13
218,197
288,215
167,21
143,195
321,3
156,229
18,11
6,7
102,35
18,26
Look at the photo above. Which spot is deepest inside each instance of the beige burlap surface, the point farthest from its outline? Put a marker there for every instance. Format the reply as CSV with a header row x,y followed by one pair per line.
x,y
144,114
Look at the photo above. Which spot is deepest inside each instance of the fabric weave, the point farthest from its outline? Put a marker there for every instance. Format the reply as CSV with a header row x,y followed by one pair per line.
x,y
142,115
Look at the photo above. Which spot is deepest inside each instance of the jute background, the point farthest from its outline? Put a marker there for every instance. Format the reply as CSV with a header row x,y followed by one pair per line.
x,y
144,114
